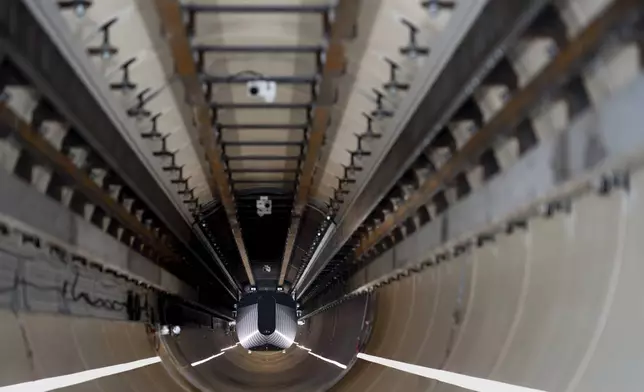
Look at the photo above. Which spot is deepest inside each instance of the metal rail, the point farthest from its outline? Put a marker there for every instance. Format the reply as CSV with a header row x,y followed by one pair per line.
x,y
42,151
560,72
41,257
171,14
498,25
66,93
258,48
492,210
155,245
345,18
551,78
33,50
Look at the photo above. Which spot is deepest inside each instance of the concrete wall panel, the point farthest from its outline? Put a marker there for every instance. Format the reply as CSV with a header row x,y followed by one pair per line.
x,y
553,306
37,346
615,357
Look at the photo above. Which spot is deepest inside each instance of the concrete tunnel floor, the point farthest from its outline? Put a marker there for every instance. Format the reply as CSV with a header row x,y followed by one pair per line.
x,y
555,306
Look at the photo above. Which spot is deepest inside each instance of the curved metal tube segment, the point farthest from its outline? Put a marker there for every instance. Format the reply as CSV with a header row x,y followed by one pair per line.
x,y
549,307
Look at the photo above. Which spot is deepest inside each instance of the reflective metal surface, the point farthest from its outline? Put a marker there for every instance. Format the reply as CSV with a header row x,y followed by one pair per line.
x,y
335,335
266,321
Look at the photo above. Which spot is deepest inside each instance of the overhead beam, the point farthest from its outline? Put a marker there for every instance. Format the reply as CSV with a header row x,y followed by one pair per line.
x,y
262,170
257,9
261,105
258,48
243,79
262,143
171,15
262,126
263,158
335,63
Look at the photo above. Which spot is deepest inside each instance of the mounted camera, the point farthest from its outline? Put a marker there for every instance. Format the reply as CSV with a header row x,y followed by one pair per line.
x,y
265,89
264,206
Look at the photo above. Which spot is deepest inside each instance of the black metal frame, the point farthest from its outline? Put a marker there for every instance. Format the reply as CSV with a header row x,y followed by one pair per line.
x,y
260,181
297,127
263,170
257,9
261,143
243,79
310,80
263,158
261,105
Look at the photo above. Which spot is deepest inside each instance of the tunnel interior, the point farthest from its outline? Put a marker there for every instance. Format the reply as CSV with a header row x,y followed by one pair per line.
x,y
430,196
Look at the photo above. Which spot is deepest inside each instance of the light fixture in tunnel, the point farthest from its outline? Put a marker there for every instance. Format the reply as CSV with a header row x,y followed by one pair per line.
x,y
222,352
456,379
79,6
336,363
174,330
80,10
206,359
52,383
230,347
299,284
264,206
